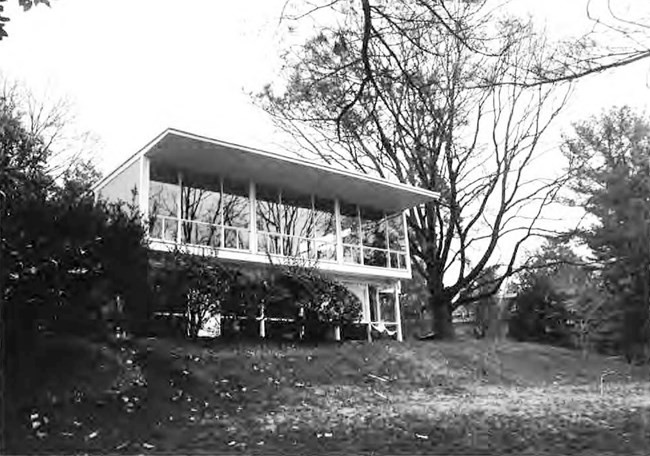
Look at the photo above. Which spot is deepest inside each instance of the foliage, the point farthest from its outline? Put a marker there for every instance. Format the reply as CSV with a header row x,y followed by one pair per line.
x,y
308,292
391,90
556,296
203,285
64,258
26,4
610,153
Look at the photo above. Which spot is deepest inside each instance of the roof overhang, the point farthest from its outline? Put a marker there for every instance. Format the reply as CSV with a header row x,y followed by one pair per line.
x,y
190,152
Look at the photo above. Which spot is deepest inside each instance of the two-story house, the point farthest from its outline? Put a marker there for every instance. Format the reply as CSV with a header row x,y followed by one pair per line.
x,y
248,207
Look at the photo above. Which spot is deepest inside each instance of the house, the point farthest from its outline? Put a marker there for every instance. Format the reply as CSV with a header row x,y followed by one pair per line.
x,y
249,207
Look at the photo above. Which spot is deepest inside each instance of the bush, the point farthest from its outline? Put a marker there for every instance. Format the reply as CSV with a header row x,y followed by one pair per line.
x,y
202,286
65,263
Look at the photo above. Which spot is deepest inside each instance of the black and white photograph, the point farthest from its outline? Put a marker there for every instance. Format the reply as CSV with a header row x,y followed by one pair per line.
x,y
301,227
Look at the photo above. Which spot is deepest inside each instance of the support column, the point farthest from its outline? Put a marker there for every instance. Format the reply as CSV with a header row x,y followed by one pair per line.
x,y
262,323
178,210
407,245
398,311
366,306
339,237
143,204
252,201
377,305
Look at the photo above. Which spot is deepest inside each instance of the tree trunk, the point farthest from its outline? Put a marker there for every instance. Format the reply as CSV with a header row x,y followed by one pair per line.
x,y
441,309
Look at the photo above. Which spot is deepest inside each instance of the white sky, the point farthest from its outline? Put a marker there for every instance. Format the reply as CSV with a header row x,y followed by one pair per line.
x,y
133,68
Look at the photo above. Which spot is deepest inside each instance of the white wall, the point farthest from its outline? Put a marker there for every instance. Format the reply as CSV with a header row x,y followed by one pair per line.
x,y
121,186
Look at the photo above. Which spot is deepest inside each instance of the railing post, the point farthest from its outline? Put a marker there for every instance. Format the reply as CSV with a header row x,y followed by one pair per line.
x,y
253,218
179,213
339,237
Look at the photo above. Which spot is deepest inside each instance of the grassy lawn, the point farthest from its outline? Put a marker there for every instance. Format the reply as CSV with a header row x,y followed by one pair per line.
x,y
159,395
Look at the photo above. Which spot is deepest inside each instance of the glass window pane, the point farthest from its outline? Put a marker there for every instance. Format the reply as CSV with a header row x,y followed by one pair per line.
x,y
349,223
201,198
163,199
351,254
373,228
402,261
268,210
394,260
170,229
325,250
324,221
297,223
156,229
268,243
302,248
324,229
236,238
375,257
236,210
201,234
396,235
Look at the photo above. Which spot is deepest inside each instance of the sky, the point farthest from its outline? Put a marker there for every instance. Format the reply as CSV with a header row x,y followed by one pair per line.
x,y
130,69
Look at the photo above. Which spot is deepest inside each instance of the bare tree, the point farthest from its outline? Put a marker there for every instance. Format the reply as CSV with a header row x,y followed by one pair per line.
x,y
52,120
392,90
614,35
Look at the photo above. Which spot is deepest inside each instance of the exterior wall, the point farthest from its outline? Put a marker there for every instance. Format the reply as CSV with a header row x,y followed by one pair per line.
x,y
122,185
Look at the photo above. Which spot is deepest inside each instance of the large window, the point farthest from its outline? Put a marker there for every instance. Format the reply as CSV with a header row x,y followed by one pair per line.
x,y
350,233
396,241
163,203
324,229
372,238
236,214
201,210
214,212
297,225
373,230
269,220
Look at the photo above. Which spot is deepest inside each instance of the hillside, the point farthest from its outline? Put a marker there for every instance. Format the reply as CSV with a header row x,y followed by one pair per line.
x,y
153,395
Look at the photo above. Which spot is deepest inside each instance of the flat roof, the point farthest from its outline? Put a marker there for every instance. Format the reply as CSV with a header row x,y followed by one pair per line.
x,y
191,152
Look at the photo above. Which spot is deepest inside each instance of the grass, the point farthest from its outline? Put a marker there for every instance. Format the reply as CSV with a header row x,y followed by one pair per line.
x,y
168,396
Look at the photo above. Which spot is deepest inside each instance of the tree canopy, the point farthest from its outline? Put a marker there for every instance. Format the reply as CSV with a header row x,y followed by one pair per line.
x,y
611,155
394,91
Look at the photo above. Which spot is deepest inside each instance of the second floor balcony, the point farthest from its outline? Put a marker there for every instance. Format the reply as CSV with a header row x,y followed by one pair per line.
x,y
212,213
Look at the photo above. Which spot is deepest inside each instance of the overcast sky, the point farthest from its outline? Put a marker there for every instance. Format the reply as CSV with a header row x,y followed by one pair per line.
x,y
133,68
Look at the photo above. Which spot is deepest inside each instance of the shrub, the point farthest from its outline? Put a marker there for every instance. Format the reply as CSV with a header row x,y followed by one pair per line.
x,y
317,301
201,284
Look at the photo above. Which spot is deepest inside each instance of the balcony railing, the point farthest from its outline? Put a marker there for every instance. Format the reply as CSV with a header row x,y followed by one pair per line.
x,y
200,234
216,236
295,246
